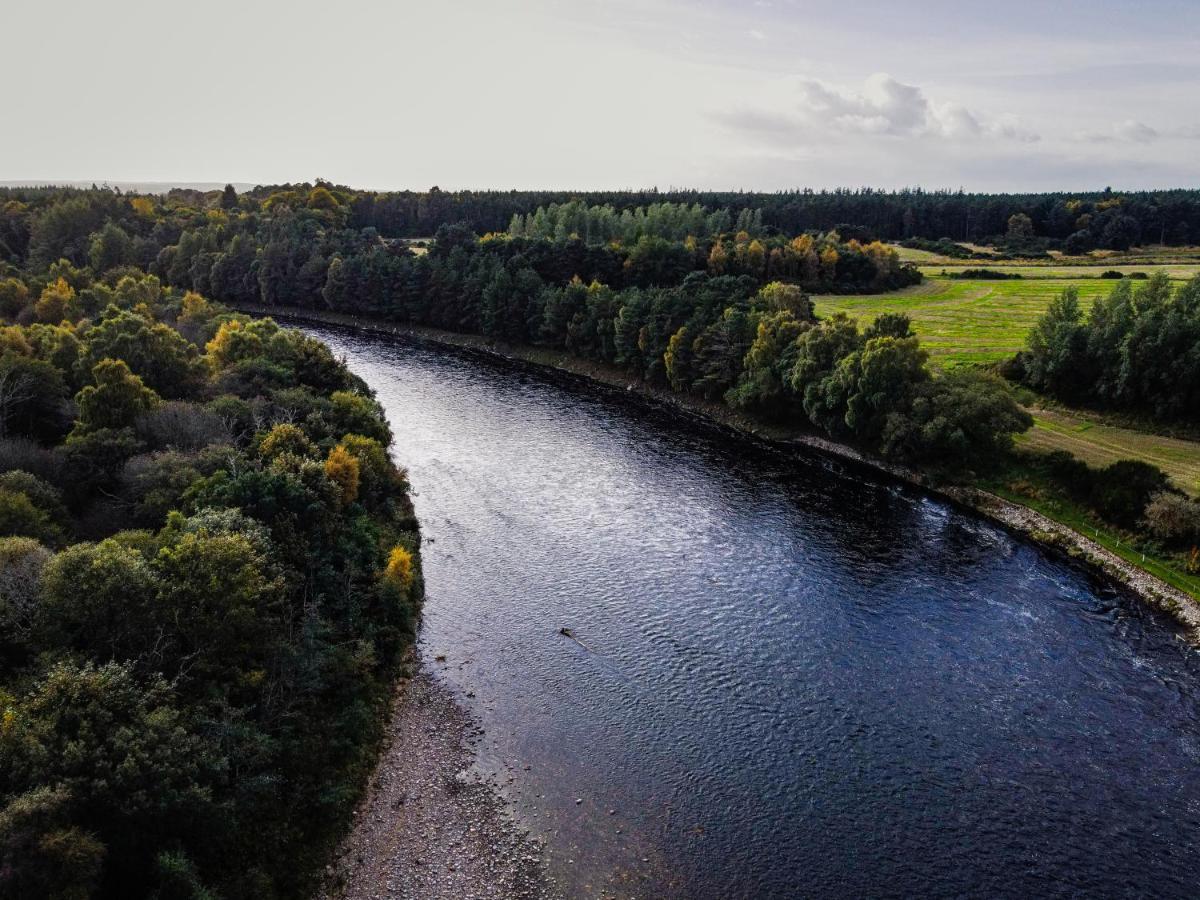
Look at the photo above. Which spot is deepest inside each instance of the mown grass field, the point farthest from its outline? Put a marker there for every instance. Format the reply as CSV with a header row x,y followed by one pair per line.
x,y
1099,444
968,322
981,321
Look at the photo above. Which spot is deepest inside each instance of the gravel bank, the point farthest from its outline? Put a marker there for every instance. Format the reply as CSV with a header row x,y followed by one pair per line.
x,y
430,826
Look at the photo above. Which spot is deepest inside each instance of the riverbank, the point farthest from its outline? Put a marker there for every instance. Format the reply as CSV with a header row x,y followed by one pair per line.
x,y
429,825
1030,523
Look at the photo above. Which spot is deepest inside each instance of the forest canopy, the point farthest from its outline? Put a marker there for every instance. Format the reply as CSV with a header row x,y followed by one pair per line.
x,y
209,570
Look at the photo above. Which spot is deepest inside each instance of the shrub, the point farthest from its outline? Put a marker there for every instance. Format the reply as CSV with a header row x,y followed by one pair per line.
x,y
1122,490
19,516
1173,519
985,275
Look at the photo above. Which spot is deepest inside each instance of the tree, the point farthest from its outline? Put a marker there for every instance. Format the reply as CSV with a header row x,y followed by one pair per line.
x,y
780,297
111,247
874,383
155,352
116,399
286,439
961,417
42,854
22,560
1056,361
31,396
321,198
14,296
229,198
57,303
1020,226
762,384
98,599
221,608
399,571
1120,233
131,772
342,468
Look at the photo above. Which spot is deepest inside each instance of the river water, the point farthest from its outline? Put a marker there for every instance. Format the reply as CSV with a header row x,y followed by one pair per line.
x,y
788,678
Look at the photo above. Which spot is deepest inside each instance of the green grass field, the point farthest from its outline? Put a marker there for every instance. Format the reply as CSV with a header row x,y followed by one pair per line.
x,y
980,321
1099,444
964,322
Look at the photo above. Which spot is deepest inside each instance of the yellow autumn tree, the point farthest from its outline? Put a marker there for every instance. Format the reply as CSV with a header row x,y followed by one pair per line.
x,y
56,303
829,261
341,467
399,571
718,259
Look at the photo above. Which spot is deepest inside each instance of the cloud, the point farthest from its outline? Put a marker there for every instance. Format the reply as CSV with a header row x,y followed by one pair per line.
x,y
756,34
1132,131
884,106
1129,132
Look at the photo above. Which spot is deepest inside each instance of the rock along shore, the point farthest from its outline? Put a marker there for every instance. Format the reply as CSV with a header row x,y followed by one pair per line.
x,y
430,827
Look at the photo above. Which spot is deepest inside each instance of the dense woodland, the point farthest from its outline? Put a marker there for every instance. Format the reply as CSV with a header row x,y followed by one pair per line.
x,y
1100,219
722,314
209,570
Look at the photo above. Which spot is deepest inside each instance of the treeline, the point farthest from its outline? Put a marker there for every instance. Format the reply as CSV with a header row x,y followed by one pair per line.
x,y
1090,219
726,317
284,250
209,569
1136,351
1098,219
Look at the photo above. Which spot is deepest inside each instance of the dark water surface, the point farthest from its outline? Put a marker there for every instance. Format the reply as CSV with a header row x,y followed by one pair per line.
x,y
794,679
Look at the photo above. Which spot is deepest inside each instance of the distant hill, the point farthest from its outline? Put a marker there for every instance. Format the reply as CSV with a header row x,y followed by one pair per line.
x,y
132,187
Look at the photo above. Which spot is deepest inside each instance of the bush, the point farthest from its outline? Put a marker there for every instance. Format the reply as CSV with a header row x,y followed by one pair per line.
x,y
1122,490
985,275
20,516
1174,519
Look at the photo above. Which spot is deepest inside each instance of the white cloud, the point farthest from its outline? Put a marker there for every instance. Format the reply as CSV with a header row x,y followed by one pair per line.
x,y
884,106
1132,131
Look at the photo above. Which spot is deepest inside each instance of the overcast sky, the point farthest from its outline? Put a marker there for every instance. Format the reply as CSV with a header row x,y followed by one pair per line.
x,y
606,94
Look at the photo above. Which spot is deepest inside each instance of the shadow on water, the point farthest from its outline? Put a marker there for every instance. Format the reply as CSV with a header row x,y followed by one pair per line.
x,y
792,678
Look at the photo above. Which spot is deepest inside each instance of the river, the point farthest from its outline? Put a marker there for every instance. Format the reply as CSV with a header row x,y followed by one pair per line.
x,y
788,677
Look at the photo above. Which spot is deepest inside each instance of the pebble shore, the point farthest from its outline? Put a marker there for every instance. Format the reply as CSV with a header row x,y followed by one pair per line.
x,y
430,826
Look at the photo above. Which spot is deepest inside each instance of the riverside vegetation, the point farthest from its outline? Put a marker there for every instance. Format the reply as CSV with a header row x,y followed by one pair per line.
x,y
708,300
209,571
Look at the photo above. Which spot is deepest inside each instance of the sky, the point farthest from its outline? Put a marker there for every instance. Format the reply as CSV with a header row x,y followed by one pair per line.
x,y
606,94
